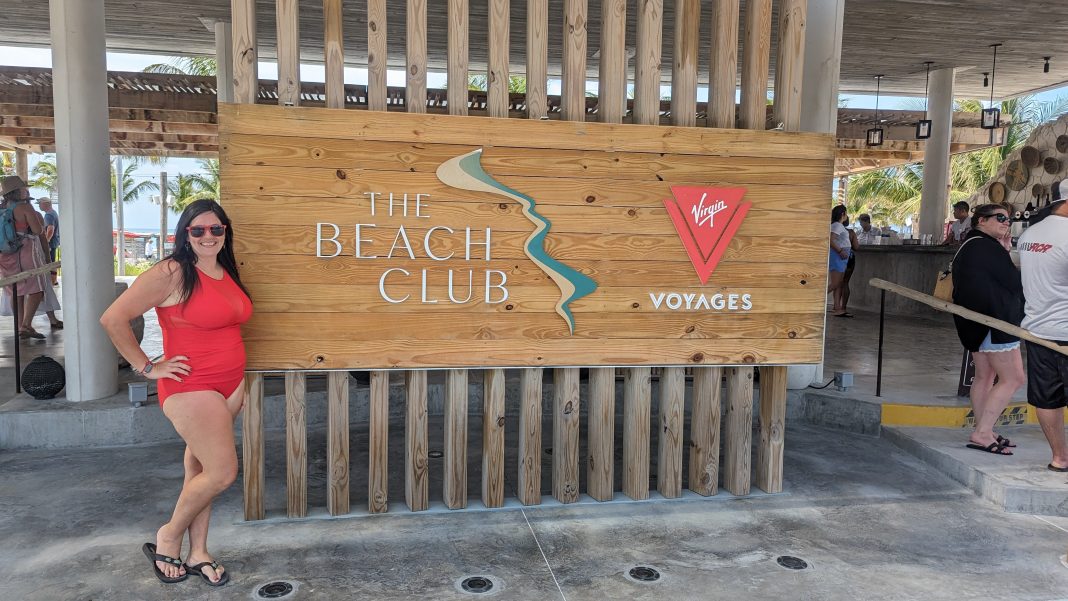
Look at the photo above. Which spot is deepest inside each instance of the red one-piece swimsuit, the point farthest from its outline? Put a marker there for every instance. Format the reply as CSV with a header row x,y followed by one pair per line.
x,y
206,328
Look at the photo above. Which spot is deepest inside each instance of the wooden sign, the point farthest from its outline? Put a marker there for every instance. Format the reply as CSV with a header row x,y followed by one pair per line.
x,y
390,240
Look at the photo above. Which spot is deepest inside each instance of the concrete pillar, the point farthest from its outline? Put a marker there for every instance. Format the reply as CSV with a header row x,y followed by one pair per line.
x,y
79,73
935,193
224,58
22,164
819,110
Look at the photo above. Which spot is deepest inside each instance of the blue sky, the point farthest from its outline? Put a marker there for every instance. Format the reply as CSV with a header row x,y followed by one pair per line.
x,y
143,215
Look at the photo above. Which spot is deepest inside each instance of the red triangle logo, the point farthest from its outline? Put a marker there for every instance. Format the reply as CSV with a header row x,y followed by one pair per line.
x,y
706,220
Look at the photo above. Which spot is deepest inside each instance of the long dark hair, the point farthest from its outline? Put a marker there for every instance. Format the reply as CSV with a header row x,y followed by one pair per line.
x,y
183,253
837,212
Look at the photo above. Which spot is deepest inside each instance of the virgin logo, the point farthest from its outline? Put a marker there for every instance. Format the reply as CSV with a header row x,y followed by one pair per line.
x,y
706,220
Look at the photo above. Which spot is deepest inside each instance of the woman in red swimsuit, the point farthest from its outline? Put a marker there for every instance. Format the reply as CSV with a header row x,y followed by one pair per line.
x,y
201,305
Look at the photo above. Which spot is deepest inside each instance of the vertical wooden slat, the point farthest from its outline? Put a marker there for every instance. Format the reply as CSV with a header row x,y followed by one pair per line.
x,y
573,80
684,64
415,90
455,481
337,443
416,476
566,434
376,55
529,485
737,447
457,68
600,471
252,447
334,54
493,439
789,64
288,23
296,446
246,67
772,428
378,441
537,59
647,65
637,401
704,431
497,73
669,458
756,55
723,63
612,72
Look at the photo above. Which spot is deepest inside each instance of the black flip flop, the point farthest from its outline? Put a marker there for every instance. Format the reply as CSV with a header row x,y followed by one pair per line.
x,y
1054,468
844,315
149,549
199,569
994,448
1005,442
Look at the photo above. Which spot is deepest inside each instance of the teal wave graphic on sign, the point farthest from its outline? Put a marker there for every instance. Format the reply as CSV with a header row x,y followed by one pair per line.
x,y
465,172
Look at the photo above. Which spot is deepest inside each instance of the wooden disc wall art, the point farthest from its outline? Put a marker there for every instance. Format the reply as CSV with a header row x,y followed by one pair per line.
x,y
1016,175
996,192
1051,165
1030,156
1038,191
1062,143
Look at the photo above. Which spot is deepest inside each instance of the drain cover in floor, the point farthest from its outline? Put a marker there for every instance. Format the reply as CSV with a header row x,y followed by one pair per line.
x,y
791,563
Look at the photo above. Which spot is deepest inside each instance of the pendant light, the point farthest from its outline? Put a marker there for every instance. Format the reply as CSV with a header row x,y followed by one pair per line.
x,y
992,116
875,135
923,126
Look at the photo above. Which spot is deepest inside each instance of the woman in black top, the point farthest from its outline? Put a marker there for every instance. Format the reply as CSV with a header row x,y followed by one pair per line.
x,y
986,281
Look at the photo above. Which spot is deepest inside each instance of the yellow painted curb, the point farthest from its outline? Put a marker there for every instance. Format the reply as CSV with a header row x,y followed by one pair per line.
x,y
949,417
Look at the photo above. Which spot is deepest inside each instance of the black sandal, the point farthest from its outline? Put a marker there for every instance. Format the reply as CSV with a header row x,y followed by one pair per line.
x,y
1005,442
149,549
199,569
995,448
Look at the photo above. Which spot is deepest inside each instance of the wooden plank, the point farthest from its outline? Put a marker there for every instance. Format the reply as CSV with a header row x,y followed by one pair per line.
x,y
415,88
337,443
493,439
612,71
772,428
566,434
724,63
637,406
684,65
377,55
455,479
600,468
647,62
704,430
378,437
416,474
573,63
288,23
246,77
252,447
737,444
669,441
296,446
457,60
497,71
789,67
558,135
528,488
334,53
537,59
756,56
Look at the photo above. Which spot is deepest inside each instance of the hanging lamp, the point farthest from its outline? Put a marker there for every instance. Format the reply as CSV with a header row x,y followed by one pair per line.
x,y
991,115
875,135
923,126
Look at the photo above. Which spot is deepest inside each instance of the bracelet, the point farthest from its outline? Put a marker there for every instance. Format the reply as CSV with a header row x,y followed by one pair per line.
x,y
147,368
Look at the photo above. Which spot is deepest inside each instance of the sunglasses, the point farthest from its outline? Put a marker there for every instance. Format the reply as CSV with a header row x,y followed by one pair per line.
x,y
198,231
1001,217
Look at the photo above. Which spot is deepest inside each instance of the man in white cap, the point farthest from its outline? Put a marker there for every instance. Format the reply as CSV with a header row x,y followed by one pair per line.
x,y
51,219
1043,249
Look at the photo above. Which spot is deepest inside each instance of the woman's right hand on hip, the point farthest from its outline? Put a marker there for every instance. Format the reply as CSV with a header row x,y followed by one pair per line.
x,y
169,367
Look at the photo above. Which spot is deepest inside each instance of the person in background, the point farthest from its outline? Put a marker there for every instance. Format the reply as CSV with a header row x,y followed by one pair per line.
x,y
958,230
840,250
986,281
842,294
36,293
1044,269
865,233
51,221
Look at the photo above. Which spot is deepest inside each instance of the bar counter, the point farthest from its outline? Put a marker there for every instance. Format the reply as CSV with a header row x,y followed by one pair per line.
x,y
913,266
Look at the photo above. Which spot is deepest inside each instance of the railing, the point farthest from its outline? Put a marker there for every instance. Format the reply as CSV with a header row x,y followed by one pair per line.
x,y
12,281
705,465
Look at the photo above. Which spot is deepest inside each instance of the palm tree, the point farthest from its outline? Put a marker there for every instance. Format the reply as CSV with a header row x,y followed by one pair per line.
x,y
208,182
517,84
183,190
131,188
46,175
7,163
187,65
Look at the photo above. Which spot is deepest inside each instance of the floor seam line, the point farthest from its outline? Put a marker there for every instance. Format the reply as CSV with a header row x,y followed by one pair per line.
x,y
543,556
1042,519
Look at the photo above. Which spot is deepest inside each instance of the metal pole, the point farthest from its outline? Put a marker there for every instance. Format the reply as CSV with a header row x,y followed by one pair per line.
x,y
882,321
120,241
162,213
18,340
